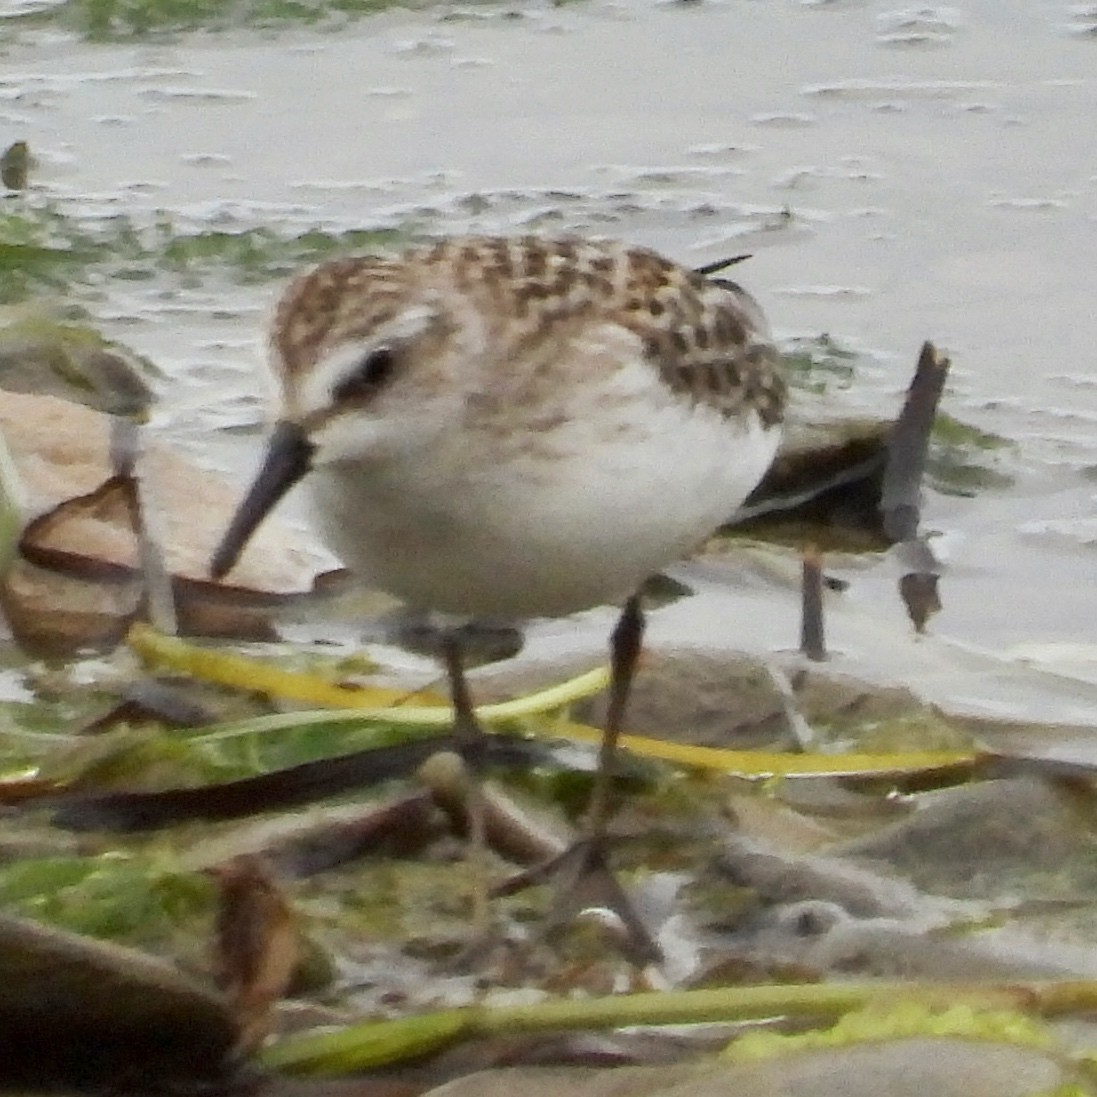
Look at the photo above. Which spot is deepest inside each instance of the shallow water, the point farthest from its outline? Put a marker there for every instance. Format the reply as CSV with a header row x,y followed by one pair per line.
x,y
897,175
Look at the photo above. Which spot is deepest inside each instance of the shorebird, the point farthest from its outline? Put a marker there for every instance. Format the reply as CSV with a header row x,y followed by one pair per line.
x,y
514,428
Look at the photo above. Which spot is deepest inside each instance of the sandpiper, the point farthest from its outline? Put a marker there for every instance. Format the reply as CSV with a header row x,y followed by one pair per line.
x,y
517,428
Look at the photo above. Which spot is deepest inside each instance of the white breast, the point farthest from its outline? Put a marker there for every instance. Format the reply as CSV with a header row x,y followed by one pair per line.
x,y
547,512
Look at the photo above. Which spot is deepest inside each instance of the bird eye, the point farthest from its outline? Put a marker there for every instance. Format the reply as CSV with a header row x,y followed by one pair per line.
x,y
367,377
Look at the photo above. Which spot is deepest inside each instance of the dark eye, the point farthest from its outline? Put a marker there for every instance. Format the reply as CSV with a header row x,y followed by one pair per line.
x,y
367,377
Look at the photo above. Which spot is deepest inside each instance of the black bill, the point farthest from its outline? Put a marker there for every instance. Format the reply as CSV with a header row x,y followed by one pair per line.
x,y
289,453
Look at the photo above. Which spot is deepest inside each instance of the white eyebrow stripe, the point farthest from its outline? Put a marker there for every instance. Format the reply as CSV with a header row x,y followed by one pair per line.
x,y
408,324
314,391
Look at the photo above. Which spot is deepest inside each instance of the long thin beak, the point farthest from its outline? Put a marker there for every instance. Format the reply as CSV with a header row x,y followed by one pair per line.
x,y
289,455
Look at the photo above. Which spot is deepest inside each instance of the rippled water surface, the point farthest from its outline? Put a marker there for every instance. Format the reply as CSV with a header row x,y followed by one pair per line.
x,y
897,174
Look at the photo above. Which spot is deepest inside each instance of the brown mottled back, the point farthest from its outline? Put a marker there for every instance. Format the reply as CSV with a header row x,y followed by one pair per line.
x,y
706,338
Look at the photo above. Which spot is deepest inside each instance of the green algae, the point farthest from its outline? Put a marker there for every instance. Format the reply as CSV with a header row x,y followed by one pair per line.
x,y
45,249
127,20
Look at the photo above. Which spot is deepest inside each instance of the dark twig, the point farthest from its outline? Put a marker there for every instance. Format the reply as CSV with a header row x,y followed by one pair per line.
x,y
900,496
901,491
812,638
302,784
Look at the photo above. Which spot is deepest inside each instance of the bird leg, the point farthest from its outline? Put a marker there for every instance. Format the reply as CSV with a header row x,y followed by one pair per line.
x,y
624,655
581,874
472,746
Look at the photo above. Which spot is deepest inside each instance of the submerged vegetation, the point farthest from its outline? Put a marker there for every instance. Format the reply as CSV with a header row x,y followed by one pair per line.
x,y
121,20
45,249
818,365
964,460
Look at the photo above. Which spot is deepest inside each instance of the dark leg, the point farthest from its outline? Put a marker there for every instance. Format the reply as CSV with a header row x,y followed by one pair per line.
x,y
471,745
581,875
624,649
